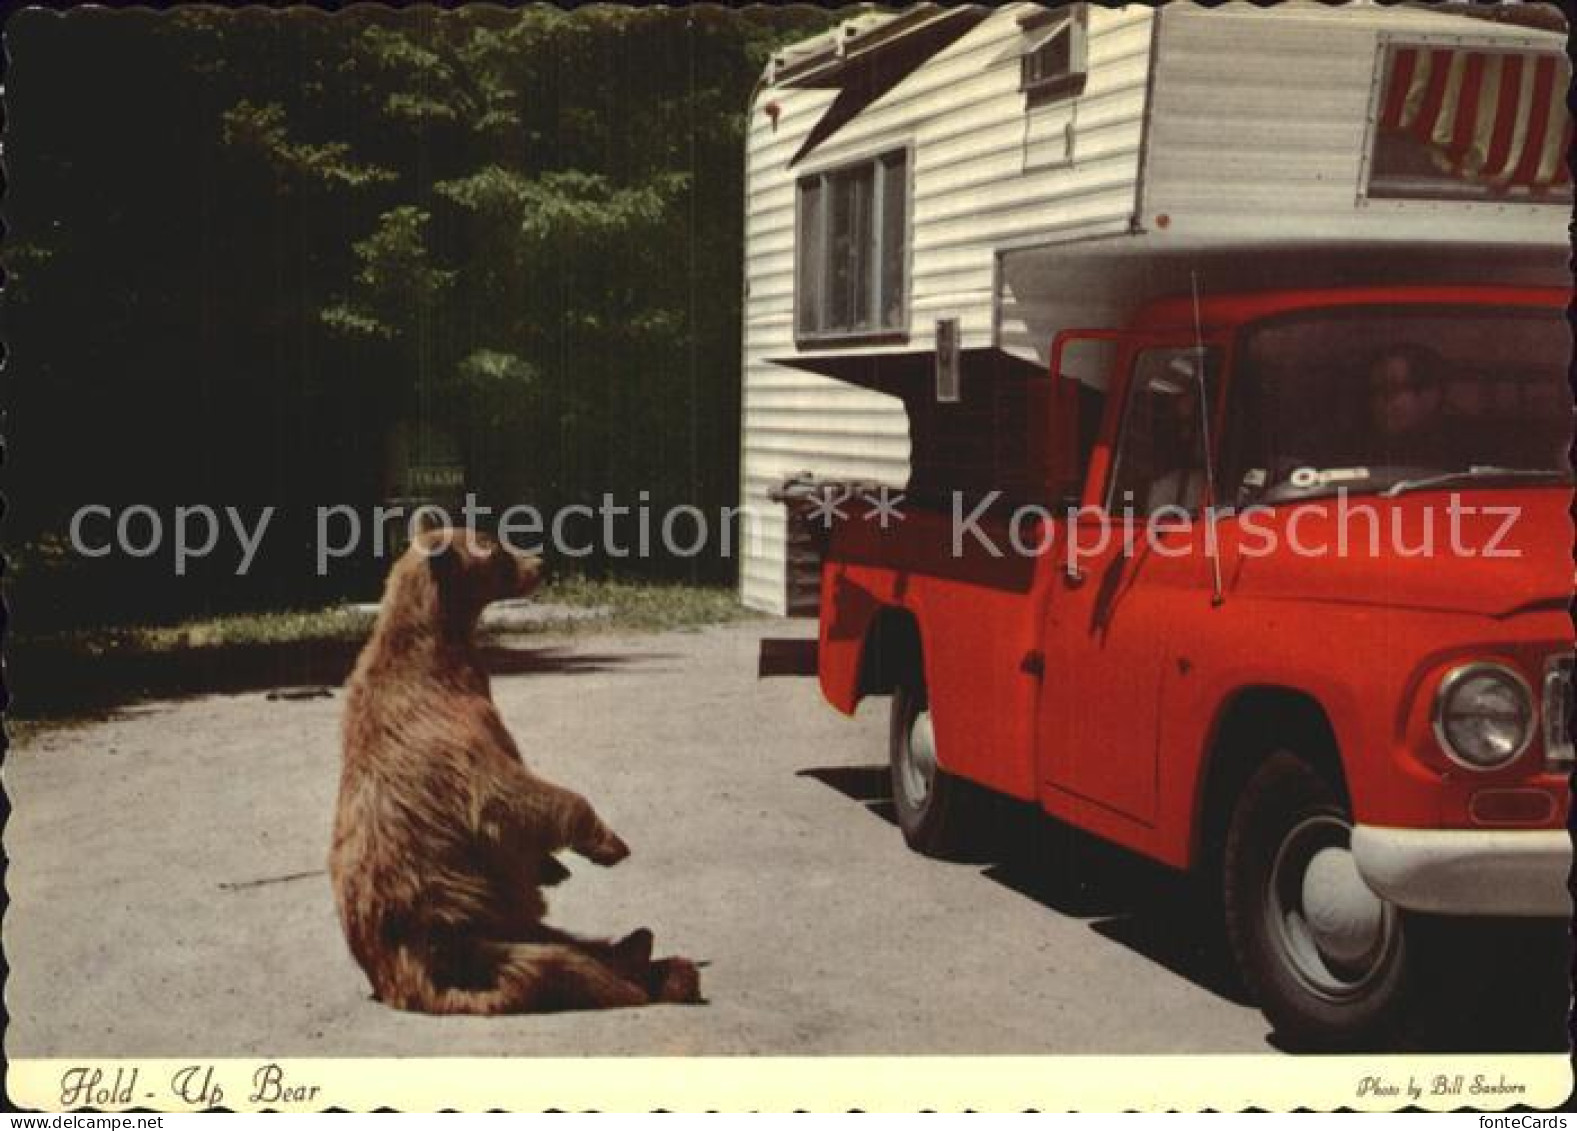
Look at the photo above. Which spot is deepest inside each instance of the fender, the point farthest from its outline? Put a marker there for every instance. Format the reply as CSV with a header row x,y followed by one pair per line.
x,y
848,612
1368,676
973,642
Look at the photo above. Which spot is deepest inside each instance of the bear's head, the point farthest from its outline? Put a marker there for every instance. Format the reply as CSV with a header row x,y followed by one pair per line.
x,y
448,575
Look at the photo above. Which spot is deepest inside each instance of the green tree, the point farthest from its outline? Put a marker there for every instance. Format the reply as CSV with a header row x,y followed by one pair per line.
x,y
247,245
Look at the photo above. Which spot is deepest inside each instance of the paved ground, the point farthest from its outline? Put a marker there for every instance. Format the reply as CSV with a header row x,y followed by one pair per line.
x,y
168,898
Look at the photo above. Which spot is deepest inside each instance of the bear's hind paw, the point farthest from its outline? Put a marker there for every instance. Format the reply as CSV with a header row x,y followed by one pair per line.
x,y
675,980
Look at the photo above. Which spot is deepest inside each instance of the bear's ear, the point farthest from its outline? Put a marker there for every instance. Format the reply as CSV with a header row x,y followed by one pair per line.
x,y
426,519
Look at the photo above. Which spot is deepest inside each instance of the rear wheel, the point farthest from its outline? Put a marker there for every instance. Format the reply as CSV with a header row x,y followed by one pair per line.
x,y
1326,956
928,802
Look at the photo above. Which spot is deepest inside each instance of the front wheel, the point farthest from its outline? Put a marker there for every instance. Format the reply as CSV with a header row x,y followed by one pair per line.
x,y
929,803
1326,956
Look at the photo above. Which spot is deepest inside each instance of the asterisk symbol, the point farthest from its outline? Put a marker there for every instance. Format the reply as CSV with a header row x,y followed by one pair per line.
x,y
884,506
824,507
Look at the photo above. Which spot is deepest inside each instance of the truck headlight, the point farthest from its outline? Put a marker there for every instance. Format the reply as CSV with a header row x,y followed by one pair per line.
x,y
1483,715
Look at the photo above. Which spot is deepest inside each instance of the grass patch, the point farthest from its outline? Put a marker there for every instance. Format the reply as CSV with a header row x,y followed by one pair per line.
x,y
629,606
66,675
23,731
334,625
642,606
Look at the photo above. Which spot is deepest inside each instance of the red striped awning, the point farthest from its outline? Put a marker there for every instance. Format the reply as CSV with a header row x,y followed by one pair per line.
x,y
1496,118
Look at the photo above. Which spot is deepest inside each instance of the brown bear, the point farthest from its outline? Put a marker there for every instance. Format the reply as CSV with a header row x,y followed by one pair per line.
x,y
443,839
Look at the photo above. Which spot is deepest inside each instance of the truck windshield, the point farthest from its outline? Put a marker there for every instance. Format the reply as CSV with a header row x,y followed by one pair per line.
x,y
1391,399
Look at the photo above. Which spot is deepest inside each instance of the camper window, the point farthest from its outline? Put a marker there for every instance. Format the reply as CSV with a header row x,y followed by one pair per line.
x,y
853,224
1460,123
1052,65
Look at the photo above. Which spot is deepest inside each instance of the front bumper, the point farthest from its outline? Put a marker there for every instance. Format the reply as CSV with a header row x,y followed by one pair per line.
x,y
1520,873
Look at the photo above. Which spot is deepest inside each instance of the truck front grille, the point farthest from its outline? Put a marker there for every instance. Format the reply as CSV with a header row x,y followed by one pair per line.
x,y
1558,712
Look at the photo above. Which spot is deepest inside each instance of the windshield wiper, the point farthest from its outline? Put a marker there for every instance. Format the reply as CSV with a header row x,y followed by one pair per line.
x,y
1468,474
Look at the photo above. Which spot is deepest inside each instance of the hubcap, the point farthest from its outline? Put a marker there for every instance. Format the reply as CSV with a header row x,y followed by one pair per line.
x,y
1335,933
919,760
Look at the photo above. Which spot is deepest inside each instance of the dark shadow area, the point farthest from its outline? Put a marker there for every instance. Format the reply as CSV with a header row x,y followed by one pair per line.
x,y
1479,986
1129,900
51,683
560,661
868,785
786,656
1489,986
1159,914
859,783
47,681
1482,986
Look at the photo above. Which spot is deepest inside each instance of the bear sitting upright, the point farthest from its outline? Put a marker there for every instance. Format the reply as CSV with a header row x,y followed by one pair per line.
x,y
443,838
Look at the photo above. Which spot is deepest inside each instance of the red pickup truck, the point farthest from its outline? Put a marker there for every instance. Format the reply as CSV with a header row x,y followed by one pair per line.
x,y
1299,622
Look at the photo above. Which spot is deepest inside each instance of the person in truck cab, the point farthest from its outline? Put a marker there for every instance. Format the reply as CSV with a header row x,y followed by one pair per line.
x,y
1179,454
1406,395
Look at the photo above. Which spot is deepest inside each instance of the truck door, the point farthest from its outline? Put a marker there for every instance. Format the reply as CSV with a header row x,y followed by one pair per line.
x,y
1130,561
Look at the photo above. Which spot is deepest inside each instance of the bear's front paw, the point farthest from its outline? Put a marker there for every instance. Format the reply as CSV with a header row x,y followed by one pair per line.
x,y
675,979
633,953
606,850
551,872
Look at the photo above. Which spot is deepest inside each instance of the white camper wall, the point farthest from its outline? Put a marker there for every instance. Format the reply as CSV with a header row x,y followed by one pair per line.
x,y
1259,125
963,118
792,420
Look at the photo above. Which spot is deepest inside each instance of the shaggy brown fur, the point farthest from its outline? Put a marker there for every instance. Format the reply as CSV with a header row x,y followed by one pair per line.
x,y
443,838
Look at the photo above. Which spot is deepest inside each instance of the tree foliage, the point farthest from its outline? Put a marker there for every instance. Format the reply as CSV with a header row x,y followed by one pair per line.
x,y
249,245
